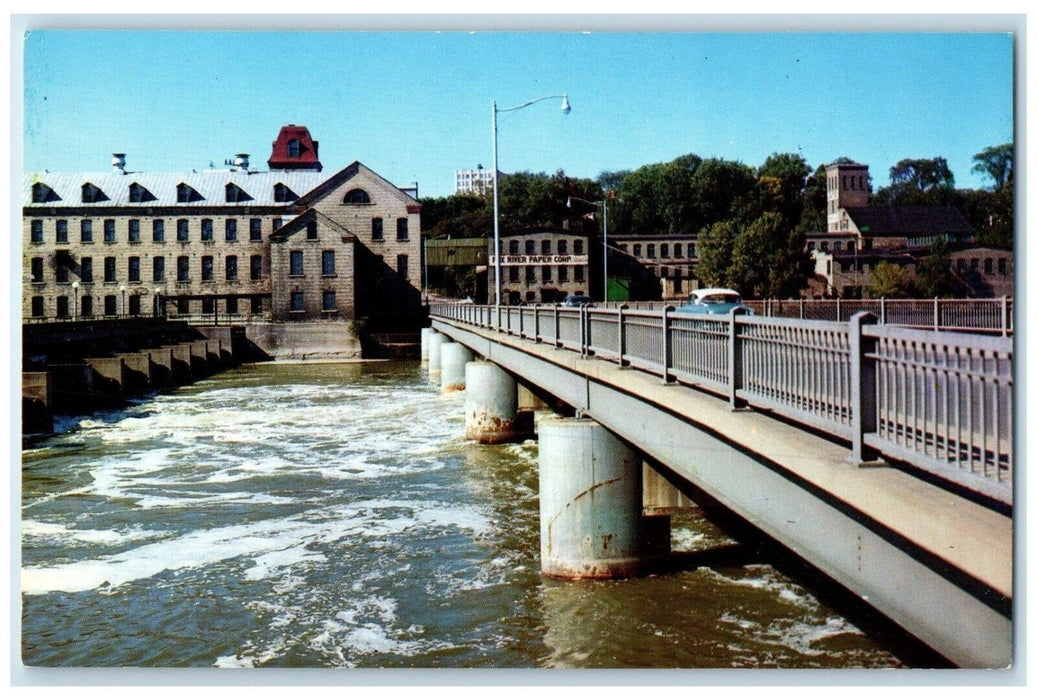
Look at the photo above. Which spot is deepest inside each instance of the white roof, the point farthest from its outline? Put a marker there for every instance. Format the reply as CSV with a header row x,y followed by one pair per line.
x,y
210,185
713,290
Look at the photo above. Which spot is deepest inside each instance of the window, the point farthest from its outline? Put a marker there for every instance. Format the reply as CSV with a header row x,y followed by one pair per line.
x,y
86,269
257,305
837,246
377,233
283,194
37,306
36,231
637,250
255,265
975,264
61,231
206,268
183,306
182,230
563,247
186,193
206,229
158,230
578,273
183,268
513,273
578,247
1002,266
651,250
531,274
295,263
401,230
293,148
134,268
677,250
563,273
327,302
664,250
231,229
297,302
86,306
42,193
61,273
135,305
850,245
232,305
110,305
356,197
824,245
545,247
158,268
62,307
311,230
327,263
962,265
109,230
235,194
232,267
36,269
545,273
139,193
988,266
109,269
255,229
92,194
208,305
401,267
134,231
530,247
513,248
277,223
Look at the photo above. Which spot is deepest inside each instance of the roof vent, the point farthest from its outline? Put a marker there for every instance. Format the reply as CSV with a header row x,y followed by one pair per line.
x,y
119,163
241,161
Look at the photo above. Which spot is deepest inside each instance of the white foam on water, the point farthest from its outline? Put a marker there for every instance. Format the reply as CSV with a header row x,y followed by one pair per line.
x,y
60,533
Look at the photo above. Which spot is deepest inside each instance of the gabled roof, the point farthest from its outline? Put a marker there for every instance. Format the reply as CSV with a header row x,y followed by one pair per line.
x,y
908,220
293,226
346,174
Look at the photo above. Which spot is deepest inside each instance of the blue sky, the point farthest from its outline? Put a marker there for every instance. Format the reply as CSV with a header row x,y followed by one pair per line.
x,y
416,106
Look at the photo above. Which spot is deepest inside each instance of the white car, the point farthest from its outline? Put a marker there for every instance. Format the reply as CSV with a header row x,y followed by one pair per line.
x,y
713,300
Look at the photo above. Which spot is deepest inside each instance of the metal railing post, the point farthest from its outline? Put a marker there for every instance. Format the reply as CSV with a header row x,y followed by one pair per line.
x,y
882,310
666,343
838,311
621,333
558,329
1004,315
734,360
522,322
863,384
583,331
536,323
936,313
802,309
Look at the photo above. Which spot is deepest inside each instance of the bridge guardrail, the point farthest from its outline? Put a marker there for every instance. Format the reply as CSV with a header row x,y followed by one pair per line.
x,y
939,401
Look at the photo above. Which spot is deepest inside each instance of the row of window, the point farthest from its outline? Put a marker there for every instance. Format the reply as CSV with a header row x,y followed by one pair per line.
x,y
988,265
158,230
83,307
855,182
664,250
158,268
837,246
183,230
138,194
546,273
545,247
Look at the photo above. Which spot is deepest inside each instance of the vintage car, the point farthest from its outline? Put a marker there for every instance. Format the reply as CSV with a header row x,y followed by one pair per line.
x,y
577,300
712,300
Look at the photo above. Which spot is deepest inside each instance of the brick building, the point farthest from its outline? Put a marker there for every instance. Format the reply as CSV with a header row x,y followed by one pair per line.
x,y
541,265
287,244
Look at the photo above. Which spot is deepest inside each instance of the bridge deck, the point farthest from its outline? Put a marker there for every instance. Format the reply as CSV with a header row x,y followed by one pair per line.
x,y
967,536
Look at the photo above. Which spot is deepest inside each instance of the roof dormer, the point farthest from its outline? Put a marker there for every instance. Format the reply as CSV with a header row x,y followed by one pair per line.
x,y
93,194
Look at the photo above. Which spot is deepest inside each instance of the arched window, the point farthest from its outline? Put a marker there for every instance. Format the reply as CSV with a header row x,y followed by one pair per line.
x,y
357,197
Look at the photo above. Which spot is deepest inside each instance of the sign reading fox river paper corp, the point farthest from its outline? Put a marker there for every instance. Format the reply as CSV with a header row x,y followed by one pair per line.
x,y
539,260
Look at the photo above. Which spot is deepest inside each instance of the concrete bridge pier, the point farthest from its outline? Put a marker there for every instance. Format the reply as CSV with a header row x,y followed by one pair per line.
x,y
491,412
452,359
426,334
435,344
591,519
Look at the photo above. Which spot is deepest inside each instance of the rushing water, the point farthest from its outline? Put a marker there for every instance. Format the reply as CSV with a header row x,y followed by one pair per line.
x,y
331,515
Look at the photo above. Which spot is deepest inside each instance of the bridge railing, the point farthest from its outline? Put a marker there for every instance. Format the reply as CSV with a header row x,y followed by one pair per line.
x,y
936,400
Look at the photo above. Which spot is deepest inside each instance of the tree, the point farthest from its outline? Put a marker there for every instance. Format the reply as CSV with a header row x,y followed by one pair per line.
x,y
997,163
768,259
716,244
783,178
918,181
889,280
933,276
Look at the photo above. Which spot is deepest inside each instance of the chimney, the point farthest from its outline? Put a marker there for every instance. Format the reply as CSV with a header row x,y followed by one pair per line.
x,y
241,161
119,163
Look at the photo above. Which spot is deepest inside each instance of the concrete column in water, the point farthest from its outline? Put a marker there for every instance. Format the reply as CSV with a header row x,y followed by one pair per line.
x,y
435,342
452,360
491,414
426,333
591,521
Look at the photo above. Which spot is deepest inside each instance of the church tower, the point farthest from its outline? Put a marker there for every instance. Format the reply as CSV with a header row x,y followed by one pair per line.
x,y
847,188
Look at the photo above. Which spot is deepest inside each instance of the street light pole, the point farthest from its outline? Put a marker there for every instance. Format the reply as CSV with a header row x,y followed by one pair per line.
x,y
605,239
496,197
75,301
122,288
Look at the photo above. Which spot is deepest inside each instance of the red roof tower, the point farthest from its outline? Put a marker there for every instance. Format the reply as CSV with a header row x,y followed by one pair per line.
x,y
294,149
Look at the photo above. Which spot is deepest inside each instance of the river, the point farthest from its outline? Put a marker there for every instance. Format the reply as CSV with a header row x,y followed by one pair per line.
x,y
332,515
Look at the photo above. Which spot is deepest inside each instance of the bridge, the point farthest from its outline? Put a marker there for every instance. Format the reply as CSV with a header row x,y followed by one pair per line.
x,y
879,454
